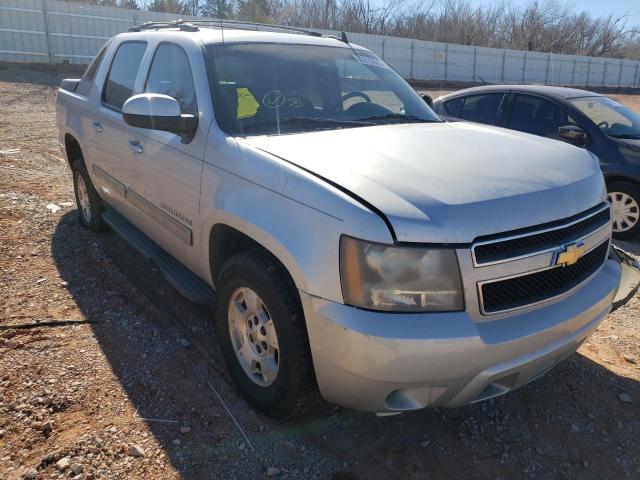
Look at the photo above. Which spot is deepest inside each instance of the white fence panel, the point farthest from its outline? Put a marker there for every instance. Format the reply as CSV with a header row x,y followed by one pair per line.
x,y
57,31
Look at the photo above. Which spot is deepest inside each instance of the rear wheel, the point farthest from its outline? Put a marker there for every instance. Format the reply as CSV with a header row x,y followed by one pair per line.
x,y
625,205
261,328
90,205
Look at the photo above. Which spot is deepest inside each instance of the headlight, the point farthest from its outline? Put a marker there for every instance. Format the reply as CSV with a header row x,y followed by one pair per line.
x,y
393,278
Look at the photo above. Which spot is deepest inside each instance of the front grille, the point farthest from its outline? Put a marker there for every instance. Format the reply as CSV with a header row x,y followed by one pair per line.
x,y
552,237
536,287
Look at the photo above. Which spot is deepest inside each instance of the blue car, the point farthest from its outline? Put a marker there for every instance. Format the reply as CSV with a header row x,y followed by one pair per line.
x,y
585,119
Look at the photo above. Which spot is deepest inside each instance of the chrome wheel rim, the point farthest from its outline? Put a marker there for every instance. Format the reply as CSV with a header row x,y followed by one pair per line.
x,y
253,336
625,211
83,199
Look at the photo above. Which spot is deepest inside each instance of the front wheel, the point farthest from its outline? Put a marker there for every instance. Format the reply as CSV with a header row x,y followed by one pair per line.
x,y
261,329
625,205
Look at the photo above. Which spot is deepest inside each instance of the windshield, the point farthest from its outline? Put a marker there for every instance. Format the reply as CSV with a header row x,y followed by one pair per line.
x,y
272,89
613,118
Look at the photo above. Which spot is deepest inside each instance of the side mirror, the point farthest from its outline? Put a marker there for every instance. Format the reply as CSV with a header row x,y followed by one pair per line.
x,y
428,99
158,112
573,134
69,84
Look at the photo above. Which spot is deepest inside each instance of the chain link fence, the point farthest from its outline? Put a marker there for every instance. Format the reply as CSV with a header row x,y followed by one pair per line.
x,y
53,31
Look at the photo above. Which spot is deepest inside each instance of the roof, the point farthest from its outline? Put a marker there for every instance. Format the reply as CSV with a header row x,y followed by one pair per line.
x,y
562,92
238,32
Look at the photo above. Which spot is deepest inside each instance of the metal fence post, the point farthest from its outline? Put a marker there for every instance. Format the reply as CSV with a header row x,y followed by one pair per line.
x,y
586,83
620,74
504,57
383,41
47,33
604,73
524,67
446,61
546,75
635,77
412,61
475,60
573,71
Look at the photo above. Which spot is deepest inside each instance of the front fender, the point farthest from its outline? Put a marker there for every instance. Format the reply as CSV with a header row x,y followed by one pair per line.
x,y
299,219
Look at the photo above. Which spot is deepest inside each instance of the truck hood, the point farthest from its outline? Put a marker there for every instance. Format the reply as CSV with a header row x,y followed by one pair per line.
x,y
448,182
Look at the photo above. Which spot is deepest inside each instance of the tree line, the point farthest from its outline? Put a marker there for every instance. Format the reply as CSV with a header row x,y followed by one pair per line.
x,y
542,26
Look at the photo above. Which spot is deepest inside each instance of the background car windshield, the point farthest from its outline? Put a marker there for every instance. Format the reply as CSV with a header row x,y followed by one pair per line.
x,y
261,88
613,118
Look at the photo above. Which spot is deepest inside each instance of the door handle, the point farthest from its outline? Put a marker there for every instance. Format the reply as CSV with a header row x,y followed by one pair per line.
x,y
135,146
97,126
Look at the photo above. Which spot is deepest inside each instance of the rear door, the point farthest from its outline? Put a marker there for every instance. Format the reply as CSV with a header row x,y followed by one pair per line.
x,y
168,167
111,170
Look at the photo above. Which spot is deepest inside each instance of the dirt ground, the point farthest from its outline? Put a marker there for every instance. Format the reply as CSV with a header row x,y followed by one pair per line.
x,y
127,381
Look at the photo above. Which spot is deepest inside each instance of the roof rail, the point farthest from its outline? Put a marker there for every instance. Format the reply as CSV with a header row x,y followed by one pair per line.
x,y
192,26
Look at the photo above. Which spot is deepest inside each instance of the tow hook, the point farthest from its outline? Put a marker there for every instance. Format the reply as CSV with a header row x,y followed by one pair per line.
x,y
630,279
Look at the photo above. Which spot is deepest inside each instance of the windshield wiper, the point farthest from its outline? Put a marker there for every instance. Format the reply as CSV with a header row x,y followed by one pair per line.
x,y
397,116
625,136
308,122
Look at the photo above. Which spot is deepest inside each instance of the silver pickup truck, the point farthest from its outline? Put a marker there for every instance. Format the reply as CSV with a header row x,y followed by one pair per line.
x,y
357,248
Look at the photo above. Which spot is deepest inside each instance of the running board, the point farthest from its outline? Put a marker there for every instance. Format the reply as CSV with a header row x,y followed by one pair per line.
x,y
182,279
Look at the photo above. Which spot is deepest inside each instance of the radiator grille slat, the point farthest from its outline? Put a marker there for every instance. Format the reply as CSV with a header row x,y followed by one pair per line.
x,y
500,250
529,289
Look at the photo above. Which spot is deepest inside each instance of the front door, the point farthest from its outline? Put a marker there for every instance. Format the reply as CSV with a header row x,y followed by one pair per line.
x,y
166,186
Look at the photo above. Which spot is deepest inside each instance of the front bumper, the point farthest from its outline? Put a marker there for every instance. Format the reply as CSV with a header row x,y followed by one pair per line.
x,y
382,362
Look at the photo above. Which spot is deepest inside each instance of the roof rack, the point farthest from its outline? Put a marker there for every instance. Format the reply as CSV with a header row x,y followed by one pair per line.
x,y
192,26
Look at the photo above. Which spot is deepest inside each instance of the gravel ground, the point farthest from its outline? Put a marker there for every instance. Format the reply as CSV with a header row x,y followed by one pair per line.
x,y
127,380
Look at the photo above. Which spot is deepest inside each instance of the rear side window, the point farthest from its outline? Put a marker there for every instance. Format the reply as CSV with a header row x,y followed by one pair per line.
x,y
453,107
84,87
482,108
538,116
170,74
122,74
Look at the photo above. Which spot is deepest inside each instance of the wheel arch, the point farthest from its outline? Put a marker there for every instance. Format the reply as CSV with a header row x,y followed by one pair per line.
x,y
226,239
73,149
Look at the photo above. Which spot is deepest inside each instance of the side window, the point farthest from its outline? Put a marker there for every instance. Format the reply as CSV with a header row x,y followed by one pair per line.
x,y
482,108
84,87
170,74
453,107
122,74
538,116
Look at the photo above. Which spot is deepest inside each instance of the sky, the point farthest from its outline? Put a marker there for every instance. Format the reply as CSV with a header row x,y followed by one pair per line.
x,y
596,7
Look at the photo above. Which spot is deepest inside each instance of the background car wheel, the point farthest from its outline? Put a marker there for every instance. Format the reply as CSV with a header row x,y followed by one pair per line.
x,y
260,325
90,205
625,205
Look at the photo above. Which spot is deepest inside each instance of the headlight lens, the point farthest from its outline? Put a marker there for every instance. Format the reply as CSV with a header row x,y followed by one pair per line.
x,y
392,278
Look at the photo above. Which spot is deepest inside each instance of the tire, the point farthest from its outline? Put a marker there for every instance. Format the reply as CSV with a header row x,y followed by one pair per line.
x,y
294,391
625,195
90,206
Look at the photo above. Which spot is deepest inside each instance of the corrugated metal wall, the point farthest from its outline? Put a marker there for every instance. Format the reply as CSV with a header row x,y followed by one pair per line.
x,y
54,31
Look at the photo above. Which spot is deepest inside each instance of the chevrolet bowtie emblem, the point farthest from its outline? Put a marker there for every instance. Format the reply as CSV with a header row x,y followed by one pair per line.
x,y
570,255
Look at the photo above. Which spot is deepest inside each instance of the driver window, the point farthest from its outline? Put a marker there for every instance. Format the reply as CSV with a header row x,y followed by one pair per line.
x,y
170,74
538,116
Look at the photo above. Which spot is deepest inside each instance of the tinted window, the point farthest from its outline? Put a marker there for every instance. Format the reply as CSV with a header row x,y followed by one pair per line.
x,y
170,74
453,107
538,116
122,74
84,87
482,108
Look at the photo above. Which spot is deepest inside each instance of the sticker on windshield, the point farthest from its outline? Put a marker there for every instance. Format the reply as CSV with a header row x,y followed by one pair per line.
x,y
247,104
371,60
274,99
